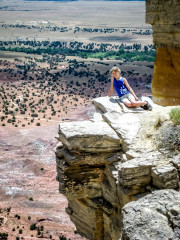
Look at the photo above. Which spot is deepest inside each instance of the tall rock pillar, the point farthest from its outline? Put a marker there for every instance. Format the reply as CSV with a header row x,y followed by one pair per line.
x,y
164,16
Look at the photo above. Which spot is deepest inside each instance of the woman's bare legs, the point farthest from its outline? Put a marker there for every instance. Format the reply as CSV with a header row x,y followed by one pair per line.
x,y
128,103
133,103
137,103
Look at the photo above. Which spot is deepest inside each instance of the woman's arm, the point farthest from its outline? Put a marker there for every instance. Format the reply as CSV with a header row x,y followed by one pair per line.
x,y
111,88
130,89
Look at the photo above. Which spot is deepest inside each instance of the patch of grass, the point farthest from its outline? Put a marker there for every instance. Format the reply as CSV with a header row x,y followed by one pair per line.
x,y
127,55
175,115
158,123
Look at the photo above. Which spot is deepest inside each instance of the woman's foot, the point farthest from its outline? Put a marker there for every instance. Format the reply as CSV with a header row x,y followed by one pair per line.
x,y
147,106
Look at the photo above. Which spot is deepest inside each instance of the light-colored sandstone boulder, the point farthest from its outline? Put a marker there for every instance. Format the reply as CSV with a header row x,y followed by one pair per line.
x,y
165,176
135,172
136,167
107,104
126,125
88,136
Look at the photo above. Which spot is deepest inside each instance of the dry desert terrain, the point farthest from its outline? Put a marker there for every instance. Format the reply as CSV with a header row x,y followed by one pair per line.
x,y
55,58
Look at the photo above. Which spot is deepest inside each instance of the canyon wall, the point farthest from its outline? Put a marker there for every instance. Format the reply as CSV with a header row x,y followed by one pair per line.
x,y
164,16
119,156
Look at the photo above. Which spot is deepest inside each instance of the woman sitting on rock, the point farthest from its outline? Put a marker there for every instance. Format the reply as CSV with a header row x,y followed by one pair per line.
x,y
124,91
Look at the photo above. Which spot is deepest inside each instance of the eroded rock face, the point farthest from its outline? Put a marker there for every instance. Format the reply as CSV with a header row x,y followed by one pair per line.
x,y
110,160
83,164
165,20
155,216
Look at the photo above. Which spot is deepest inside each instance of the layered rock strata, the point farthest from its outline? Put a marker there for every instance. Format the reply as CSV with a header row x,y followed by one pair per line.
x,y
110,160
165,20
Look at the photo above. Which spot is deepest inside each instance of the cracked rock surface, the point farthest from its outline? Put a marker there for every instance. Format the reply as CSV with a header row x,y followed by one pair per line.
x,y
155,216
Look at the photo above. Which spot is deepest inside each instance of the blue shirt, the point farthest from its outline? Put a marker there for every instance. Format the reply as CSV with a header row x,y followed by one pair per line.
x,y
120,87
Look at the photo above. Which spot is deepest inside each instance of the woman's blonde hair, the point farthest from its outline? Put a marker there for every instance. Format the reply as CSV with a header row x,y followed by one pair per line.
x,y
116,69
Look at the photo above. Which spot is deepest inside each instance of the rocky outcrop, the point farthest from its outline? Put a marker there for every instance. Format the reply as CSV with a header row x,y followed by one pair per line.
x,y
164,18
155,216
114,158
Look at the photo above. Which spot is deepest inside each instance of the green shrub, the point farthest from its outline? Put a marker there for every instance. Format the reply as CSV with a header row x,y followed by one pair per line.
x,y
34,115
4,236
33,226
62,237
175,115
17,216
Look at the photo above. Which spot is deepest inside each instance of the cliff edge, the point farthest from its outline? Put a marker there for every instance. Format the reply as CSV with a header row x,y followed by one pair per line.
x,y
115,167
